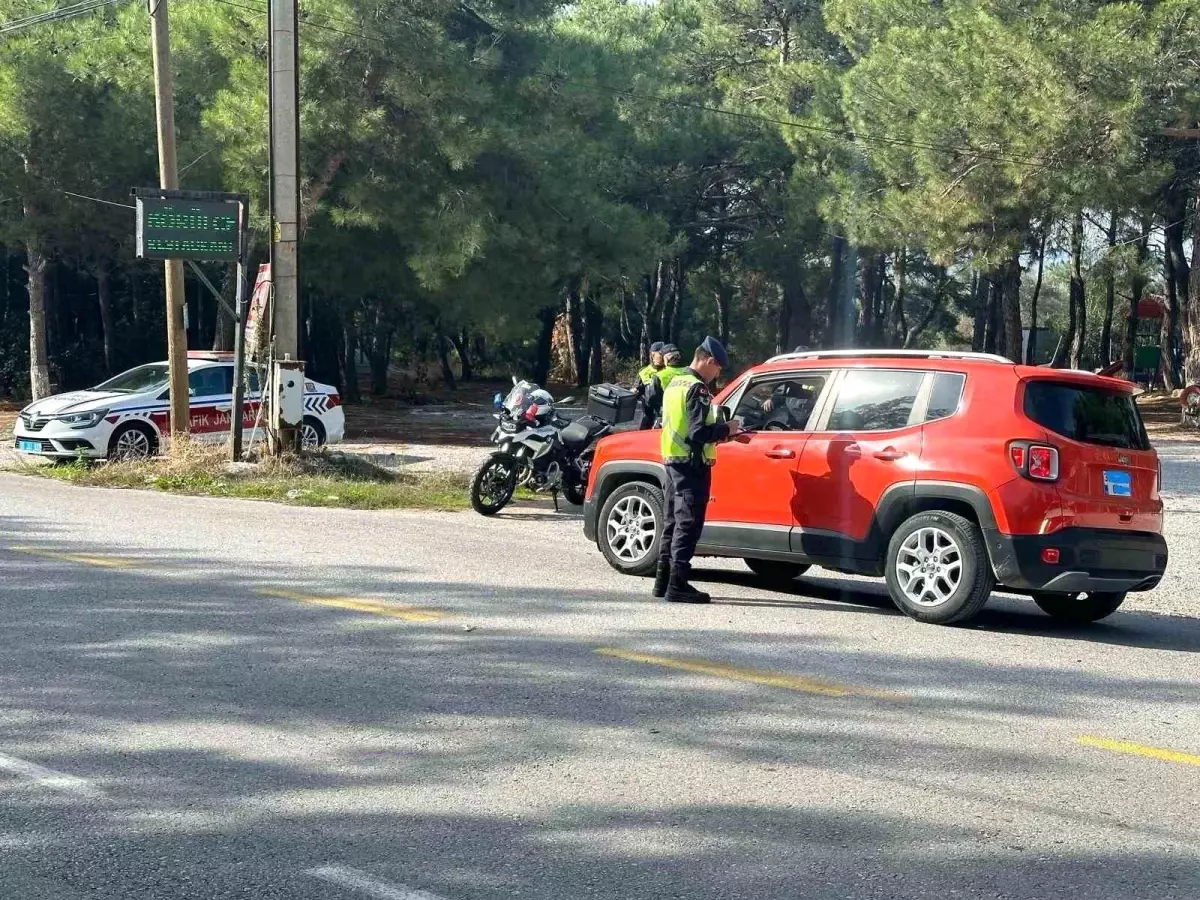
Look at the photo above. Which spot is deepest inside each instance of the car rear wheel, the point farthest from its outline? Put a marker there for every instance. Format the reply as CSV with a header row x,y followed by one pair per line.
x,y
131,443
1079,608
938,569
631,525
312,434
776,572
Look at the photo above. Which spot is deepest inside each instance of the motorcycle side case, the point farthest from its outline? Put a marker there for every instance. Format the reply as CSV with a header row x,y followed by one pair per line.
x,y
612,403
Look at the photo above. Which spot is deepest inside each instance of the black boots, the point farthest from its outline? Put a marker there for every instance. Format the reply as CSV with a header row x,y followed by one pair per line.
x,y
662,577
680,591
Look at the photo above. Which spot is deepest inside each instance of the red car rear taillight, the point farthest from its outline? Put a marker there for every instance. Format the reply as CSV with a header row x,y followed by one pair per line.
x,y
1038,462
332,400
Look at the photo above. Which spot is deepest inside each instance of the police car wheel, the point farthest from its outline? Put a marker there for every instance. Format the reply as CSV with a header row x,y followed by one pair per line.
x,y
312,434
131,443
630,531
1079,609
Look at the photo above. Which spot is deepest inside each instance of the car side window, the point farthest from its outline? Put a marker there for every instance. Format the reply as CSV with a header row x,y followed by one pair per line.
x,y
252,381
780,404
875,400
945,396
210,382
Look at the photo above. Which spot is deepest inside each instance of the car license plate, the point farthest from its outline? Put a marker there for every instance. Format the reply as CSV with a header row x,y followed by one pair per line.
x,y
1118,483
30,446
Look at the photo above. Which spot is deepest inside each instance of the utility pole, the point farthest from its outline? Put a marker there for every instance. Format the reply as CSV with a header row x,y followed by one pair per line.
x,y
284,114
164,102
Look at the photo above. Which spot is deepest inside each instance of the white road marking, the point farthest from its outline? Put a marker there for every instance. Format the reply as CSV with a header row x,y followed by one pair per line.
x,y
343,876
58,781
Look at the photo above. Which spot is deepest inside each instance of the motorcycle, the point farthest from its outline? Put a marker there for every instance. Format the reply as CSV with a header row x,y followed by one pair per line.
x,y
535,449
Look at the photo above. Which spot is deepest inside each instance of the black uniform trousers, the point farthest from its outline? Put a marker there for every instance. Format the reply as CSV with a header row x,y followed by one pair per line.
x,y
686,504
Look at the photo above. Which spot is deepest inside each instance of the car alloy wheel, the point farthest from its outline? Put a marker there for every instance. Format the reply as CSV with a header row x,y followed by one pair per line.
x,y
929,566
631,528
132,444
310,438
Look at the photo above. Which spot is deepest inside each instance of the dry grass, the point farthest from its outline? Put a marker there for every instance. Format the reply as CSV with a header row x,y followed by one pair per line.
x,y
317,480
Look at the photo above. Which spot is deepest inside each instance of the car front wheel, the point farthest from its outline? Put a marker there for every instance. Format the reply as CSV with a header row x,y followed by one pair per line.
x,y
938,569
1079,608
131,443
631,524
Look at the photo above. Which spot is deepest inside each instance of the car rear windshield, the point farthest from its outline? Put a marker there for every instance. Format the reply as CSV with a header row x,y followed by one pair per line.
x,y
1091,415
136,381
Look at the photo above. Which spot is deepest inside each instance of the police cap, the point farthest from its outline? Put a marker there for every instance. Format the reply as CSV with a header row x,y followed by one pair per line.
x,y
713,348
668,348
657,347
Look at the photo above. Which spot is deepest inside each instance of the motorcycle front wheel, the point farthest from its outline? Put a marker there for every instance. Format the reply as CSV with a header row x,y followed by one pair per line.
x,y
493,484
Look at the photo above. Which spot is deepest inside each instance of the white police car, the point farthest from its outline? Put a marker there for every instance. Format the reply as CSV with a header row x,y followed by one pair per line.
x,y
127,416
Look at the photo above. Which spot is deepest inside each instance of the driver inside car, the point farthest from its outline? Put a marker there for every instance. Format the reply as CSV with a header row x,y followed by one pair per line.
x,y
791,404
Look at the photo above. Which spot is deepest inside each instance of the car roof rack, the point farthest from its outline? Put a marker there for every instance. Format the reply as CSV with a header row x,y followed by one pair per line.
x,y
891,354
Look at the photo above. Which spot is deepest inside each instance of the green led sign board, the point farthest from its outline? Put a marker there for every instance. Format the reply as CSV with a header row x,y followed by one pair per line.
x,y
170,228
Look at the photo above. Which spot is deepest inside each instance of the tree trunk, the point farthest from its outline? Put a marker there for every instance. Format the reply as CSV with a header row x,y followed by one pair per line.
x,y
979,295
1011,289
1187,318
1031,350
350,362
1077,295
379,355
443,354
1110,293
868,288
724,301
545,343
104,299
595,335
1170,324
1137,289
991,339
795,317
911,335
462,344
575,337
677,289
898,318
39,361
833,305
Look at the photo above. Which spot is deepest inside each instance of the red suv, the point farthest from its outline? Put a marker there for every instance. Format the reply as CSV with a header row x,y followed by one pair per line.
x,y
950,474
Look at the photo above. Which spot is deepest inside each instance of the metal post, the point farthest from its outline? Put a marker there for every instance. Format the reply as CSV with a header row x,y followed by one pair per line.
x,y
239,343
164,103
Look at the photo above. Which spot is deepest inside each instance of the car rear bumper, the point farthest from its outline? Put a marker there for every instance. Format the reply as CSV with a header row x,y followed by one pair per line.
x,y
1090,559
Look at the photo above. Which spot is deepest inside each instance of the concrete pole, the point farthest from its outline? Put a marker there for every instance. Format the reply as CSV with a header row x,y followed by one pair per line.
x,y
164,102
285,175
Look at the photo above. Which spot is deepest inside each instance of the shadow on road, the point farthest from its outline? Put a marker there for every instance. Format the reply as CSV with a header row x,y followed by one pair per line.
x,y
240,739
1004,614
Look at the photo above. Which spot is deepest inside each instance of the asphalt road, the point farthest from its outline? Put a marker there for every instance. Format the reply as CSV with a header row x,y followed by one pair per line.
x,y
222,699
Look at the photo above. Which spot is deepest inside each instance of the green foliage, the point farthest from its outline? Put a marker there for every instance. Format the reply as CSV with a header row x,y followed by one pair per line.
x,y
648,170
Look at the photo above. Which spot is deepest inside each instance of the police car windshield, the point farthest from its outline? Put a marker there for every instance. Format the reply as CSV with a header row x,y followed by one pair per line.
x,y
136,381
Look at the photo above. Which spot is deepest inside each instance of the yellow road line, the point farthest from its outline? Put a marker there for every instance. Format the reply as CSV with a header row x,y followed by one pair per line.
x,y
754,676
83,559
374,607
1175,756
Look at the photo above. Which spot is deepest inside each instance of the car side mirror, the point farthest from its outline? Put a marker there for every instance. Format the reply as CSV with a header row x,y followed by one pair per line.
x,y
723,414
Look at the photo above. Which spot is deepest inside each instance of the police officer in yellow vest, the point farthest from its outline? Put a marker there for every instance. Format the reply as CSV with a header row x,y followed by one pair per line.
x,y
690,432
645,378
658,383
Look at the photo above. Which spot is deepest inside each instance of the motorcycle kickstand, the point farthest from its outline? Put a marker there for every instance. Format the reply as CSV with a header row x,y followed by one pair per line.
x,y
554,494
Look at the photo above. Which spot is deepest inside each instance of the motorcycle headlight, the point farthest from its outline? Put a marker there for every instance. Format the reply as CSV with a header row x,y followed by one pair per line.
x,y
84,419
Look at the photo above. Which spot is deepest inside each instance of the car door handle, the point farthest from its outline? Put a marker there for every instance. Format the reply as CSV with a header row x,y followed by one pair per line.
x,y
890,454
781,453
